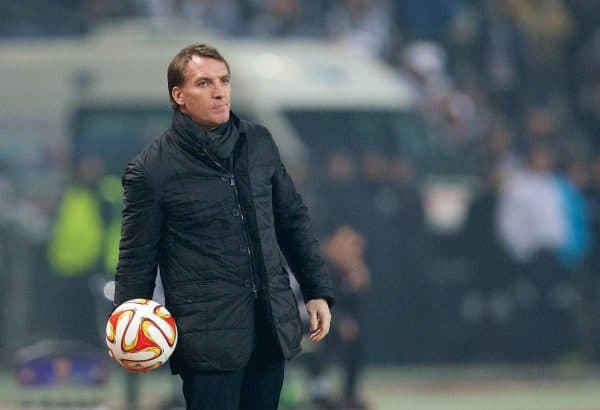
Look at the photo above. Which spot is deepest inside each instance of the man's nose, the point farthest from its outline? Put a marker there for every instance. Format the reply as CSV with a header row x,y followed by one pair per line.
x,y
218,91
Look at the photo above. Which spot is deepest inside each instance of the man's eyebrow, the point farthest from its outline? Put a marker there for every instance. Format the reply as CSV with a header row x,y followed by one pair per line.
x,y
204,77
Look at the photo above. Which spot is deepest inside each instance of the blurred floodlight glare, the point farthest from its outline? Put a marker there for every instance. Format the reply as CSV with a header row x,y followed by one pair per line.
x,y
109,290
270,65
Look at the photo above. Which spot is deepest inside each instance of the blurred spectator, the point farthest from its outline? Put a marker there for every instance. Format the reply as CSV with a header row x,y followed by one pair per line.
x,y
586,86
426,19
364,26
393,226
408,220
340,195
464,39
501,55
534,228
586,14
493,273
78,252
457,118
425,63
589,282
530,213
158,8
481,239
546,26
223,16
283,18
107,10
465,117
572,187
541,125
38,18
593,194
499,150
409,253
344,252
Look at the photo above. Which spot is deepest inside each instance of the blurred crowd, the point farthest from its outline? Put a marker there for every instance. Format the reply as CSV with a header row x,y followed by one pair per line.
x,y
511,88
491,75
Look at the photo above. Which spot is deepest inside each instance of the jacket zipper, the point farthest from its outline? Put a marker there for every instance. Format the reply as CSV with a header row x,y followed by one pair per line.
x,y
242,217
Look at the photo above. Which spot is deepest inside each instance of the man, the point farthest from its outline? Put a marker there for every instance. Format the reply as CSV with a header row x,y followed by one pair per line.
x,y
345,253
212,204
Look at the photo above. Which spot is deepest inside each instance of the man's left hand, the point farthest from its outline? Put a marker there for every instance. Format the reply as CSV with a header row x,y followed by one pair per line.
x,y
320,319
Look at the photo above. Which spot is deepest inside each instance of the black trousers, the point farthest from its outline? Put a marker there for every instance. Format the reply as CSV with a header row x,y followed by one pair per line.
x,y
256,387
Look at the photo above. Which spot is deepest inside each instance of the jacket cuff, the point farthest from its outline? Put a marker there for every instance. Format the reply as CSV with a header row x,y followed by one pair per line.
x,y
132,291
320,293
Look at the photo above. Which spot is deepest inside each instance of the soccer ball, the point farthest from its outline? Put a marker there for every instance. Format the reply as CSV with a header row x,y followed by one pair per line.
x,y
141,335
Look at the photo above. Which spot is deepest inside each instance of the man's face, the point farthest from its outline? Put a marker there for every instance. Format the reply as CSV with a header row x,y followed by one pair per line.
x,y
205,94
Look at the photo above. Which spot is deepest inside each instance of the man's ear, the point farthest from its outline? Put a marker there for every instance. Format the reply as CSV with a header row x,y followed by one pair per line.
x,y
177,95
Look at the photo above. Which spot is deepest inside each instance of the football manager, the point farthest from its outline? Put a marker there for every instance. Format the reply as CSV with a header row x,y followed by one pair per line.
x,y
211,203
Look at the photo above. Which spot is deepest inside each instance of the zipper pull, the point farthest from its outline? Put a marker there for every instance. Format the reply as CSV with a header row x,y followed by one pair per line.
x,y
254,293
231,180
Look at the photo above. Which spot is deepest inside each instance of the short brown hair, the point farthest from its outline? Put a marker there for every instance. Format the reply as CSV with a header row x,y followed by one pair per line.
x,y
175,72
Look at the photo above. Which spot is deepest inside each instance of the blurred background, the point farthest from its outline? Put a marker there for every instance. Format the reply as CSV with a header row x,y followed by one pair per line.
x,y
448,151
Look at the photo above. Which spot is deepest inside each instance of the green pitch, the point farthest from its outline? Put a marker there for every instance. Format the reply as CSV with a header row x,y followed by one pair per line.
x,y
419,388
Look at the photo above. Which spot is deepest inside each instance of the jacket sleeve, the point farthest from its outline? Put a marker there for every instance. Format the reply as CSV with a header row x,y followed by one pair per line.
x,y
140,237
297,240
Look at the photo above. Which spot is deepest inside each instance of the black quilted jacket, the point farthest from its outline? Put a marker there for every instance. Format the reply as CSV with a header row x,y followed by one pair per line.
x,y
205,225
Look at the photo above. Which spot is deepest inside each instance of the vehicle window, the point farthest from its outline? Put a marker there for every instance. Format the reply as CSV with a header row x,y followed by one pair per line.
x,y
117,134
390,131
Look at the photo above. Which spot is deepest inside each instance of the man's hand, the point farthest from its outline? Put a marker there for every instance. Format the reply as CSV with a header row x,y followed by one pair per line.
x,y
320,319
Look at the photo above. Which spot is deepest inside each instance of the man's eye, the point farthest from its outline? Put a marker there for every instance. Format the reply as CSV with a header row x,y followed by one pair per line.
x,y
203,83
225,81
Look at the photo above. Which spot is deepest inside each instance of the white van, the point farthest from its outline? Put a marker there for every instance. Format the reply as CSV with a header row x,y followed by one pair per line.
x,y
106,93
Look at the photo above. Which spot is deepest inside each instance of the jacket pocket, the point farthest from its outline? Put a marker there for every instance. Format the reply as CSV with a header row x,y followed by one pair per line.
x,y
260,179
280,281
195,214
189,292
284,305
208,305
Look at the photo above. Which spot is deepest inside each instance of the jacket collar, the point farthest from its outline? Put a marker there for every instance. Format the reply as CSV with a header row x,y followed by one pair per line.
x,y
191,136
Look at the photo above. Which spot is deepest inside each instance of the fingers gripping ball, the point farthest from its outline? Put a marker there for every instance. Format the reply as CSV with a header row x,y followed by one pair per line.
x,y
141,335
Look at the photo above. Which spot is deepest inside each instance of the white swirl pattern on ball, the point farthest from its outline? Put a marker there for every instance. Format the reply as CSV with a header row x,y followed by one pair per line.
x,y
148,317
